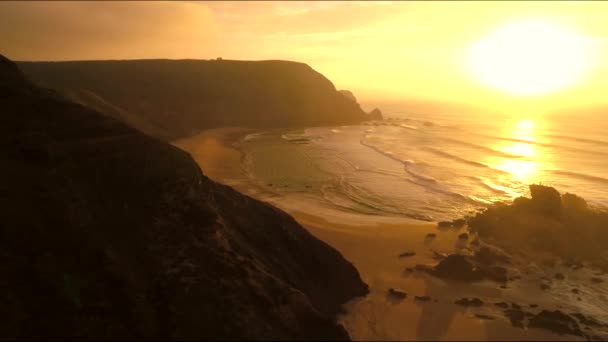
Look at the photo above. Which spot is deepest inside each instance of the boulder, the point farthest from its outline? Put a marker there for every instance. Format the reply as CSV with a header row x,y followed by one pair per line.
x,y
422,298
502,305
573,203
396,294
469,302
375,114
545,200
457,267
555,321
487,255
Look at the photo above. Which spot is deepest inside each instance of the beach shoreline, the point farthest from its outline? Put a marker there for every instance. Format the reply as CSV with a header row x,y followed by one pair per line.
x,y
374,245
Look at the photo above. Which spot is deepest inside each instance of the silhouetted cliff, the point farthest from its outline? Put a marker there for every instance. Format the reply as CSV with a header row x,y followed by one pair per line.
x,y
176,98
107,233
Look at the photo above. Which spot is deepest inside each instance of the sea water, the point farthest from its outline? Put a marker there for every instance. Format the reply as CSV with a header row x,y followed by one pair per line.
x,y
433,167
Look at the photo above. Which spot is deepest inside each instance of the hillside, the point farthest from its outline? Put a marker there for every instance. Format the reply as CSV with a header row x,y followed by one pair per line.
x,y
177,98
108,233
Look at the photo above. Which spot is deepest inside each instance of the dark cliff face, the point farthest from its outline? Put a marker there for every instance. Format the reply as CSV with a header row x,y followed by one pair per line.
x,y
176,98
108,233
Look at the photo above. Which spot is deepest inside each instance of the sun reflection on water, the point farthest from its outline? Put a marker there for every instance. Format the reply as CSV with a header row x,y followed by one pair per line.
x,y
520,141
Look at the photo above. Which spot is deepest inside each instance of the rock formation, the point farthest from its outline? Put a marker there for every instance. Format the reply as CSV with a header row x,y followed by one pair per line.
x,y
375,114
177,98
108,233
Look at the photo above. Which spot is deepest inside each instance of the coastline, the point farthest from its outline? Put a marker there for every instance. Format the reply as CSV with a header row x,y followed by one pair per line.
x,y
373,244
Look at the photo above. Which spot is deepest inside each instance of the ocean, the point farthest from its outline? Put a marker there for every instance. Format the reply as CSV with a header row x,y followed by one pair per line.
x,y
433,167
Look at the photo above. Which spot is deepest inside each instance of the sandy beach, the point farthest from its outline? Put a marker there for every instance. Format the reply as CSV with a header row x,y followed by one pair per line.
x,y
374,245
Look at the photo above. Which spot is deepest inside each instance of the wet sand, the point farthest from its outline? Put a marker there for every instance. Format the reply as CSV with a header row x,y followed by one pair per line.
x,y
373,244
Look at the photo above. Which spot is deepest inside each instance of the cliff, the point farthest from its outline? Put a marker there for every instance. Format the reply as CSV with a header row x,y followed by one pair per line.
x,y
176,98
108,233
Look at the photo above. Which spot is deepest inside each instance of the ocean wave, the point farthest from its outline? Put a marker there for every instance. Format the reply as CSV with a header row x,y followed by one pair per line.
x,y
421,177
492,187
299,138
455,158
408,126
547,145
584,140
482,148
253,136
388,154
347,196
583,176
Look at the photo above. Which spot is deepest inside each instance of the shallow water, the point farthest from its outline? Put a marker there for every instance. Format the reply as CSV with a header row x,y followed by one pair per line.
x,y
433,167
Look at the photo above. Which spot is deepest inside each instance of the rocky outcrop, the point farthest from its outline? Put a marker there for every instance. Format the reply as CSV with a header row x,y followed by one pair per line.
x,y
465,268
348,94
108,233
564,226
375,114
177,98
555,321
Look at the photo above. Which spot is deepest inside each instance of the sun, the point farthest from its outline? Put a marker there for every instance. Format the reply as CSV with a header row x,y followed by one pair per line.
x,y
530,57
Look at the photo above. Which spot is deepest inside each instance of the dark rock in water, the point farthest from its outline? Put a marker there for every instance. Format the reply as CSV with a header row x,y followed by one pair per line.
x,y
458,223
375,114
396,294
516,317
545,199
108,233
424,268
422,298
555,321
533,305
597,280
457,267
502,305
444,224
588,321
439,256
490,256
431,235
544,286
469,302
463,236
516,306
575,291
495,273
559,276
573,203
407,254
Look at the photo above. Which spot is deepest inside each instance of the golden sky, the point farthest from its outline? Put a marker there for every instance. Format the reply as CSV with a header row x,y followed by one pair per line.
x,y
380,50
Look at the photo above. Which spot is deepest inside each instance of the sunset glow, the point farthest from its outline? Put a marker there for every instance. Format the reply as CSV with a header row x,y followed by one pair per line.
x,y
530,57
491,54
